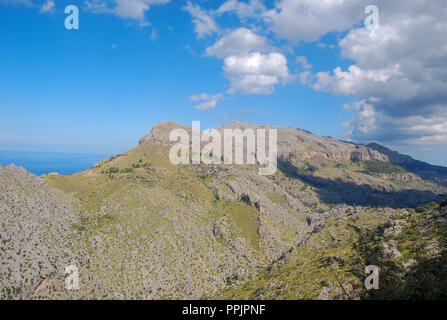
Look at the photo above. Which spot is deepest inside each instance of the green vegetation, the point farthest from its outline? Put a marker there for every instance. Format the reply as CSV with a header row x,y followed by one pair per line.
x,y
143,228
376,166
140,164
242,218
150,229
426,276
111,170
417,271
276,198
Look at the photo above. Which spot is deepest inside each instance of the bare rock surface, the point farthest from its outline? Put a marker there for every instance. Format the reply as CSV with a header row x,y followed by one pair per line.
x,y
35,232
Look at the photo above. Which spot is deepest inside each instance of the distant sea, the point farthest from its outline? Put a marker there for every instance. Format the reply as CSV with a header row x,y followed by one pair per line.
x,y
46,162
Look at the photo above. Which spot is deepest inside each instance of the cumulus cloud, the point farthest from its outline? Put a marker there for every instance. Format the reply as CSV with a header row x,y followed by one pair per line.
x,y
133,9
399,75
126,9
308,20
424,130
256,73
209,101
204,23
249,63
239,41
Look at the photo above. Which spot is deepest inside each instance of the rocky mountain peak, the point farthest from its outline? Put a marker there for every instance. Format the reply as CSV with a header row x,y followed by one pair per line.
x,y
160,133
293,144
394,156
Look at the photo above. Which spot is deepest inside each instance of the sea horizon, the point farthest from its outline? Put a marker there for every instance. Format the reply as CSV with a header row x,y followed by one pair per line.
x,y
41,162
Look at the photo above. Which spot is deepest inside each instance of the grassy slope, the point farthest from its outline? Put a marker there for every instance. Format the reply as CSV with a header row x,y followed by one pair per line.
x,y
419,273
159,211
144,211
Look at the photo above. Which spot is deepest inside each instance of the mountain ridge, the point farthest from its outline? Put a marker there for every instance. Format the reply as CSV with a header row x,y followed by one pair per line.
x,y
359,151
140,227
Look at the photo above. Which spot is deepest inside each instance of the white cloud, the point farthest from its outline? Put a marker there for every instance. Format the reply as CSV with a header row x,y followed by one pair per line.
x,y
204,23
357,80
274,64
133,9
210,101
238,41
126,9
44,6
242,9
207,105
304,77
256,73
364,120
200,96
399,75
308,20
303,61
154,35
249,63
421,130
48,6
97,6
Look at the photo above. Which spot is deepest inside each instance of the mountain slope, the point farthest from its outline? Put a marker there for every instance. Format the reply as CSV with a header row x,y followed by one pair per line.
x,y
199,233
437,174
142,228
35,233
409,247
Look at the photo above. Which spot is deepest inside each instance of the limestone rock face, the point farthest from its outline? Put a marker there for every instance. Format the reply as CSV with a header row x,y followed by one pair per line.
x,y
274,213
160,133
35,233
293,144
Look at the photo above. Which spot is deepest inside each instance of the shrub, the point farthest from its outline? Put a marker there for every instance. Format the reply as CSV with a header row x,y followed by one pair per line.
x,y
420,209
111,170
376,166
141,165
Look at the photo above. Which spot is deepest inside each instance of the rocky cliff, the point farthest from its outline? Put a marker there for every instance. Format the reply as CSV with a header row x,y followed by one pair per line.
x,y
293,144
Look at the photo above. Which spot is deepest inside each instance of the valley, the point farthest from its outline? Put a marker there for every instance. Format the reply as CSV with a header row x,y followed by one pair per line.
x,y
139,227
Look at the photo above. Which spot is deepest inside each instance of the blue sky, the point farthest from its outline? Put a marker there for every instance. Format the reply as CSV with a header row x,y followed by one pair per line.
x,y
133,63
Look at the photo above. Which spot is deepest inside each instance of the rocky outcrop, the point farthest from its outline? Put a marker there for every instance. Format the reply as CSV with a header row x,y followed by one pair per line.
x,y
293,144
160,133
36,229
285,212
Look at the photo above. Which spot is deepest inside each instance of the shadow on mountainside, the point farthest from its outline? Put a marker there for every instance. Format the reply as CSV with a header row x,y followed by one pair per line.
x,y
426,279
341,192
433,173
